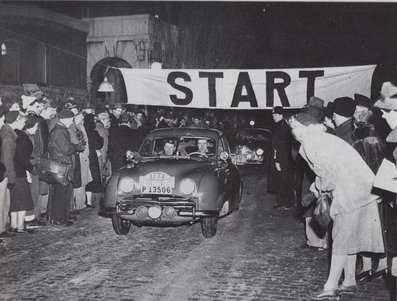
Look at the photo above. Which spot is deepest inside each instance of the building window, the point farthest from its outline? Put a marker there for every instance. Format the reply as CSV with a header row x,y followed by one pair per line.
x,y
10,63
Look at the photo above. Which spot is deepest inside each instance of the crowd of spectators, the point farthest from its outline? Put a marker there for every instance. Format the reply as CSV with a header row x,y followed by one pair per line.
x,y
94,140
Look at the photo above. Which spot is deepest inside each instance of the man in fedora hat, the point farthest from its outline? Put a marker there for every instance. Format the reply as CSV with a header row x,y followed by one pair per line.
x,y
313,113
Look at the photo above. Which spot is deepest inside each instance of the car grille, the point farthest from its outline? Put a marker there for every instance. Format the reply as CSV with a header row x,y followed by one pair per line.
x,y
128,204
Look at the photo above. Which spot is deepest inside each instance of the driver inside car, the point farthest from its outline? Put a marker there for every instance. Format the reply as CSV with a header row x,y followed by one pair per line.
x,y
202,145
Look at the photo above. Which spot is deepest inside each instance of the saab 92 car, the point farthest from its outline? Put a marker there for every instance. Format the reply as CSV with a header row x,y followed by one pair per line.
x,y
251,147
178,176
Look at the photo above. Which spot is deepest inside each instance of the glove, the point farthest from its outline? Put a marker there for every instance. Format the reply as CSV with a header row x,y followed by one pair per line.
x,y
308,198
10,186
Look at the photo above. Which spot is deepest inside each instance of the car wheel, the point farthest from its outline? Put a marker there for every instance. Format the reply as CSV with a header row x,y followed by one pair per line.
x,y
208,226
120,226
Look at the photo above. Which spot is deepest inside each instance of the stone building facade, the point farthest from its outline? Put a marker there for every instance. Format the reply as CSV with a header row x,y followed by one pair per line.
x,y
67,56
129,42
43,48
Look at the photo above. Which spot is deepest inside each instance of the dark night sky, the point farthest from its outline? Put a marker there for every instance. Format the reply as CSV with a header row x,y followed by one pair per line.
x,y
281,34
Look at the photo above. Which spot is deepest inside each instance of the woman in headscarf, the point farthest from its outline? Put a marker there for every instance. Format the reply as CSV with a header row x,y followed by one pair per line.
x,y
342,172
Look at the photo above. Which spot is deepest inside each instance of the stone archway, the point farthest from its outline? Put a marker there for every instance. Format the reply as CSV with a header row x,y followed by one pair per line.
x,y
115,78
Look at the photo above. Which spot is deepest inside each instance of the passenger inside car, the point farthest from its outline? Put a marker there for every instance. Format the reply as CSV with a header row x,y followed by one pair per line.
x,y
168,148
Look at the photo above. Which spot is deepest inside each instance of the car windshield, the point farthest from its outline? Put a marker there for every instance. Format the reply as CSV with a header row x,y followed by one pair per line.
x,y
184,146
248,134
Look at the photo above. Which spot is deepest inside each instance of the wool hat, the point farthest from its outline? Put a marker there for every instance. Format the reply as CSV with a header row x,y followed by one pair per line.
x,y
65,114
11,116
388,97
278,110
362,100
344,106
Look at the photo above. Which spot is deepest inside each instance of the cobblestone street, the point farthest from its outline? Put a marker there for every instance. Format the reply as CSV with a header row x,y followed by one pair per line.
x,y
255,255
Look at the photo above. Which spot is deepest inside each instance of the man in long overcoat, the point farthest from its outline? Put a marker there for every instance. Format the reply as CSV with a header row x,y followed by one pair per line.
x,y
280,179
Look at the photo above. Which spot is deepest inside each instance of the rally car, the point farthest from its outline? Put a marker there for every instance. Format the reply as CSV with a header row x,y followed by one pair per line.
x,y
173,180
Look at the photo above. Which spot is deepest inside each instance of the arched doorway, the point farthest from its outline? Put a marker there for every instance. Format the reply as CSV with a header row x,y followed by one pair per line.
x,y
115,78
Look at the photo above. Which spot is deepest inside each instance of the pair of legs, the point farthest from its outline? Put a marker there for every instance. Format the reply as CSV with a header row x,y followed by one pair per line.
x,y
339,264
18,220
367,264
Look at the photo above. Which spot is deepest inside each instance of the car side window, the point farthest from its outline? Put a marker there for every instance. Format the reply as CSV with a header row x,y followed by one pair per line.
x,y
145,148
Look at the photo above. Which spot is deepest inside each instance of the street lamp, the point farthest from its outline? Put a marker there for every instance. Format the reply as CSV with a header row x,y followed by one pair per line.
x,y
105,86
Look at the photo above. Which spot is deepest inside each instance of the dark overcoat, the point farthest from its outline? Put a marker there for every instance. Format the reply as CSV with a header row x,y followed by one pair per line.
x,y
95,142
60,147
122,139
282,154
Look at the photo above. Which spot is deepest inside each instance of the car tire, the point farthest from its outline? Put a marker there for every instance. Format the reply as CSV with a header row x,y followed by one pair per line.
x,y
208,226
120,226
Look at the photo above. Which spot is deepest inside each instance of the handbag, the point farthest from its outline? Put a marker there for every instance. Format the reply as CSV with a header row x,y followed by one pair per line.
x,y
54,172
322,211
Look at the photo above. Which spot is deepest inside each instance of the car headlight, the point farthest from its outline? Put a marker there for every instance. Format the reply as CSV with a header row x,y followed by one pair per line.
x,y
187,186
259,152
127,185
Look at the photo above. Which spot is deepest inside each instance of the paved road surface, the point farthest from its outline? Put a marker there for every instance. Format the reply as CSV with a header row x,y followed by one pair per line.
x,y
254,256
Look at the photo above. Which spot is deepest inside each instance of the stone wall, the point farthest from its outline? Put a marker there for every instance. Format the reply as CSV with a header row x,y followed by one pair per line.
x,y
12,93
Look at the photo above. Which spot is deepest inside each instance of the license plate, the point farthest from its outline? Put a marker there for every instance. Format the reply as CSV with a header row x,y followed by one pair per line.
x,y
238,160
156,183
156,189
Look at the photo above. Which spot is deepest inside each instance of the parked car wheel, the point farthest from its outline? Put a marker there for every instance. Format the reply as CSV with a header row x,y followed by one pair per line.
x,y
120,226
208,226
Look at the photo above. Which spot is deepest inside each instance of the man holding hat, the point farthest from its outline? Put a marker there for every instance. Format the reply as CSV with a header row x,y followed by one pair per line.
x,y
280,168
13,121
344,108
61,149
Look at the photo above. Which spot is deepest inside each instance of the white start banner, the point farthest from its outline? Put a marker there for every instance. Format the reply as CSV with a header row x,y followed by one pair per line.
x,y
244,89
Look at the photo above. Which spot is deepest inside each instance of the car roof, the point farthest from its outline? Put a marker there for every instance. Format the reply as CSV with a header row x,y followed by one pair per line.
x,y
186,131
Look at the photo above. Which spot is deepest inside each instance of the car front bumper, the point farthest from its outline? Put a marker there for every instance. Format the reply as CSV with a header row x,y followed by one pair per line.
x,y
159,209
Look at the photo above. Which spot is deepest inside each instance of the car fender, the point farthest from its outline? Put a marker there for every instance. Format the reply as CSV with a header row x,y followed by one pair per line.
x,y
211,192
111,198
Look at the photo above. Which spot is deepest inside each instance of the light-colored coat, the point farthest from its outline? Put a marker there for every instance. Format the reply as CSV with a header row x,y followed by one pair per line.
x,y
339,168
